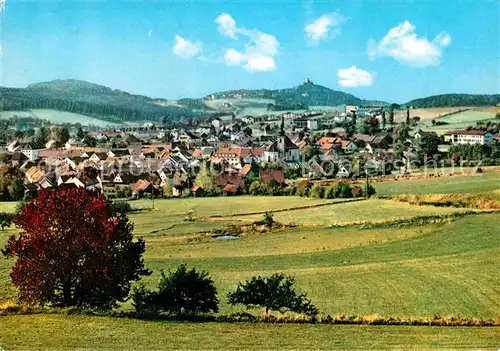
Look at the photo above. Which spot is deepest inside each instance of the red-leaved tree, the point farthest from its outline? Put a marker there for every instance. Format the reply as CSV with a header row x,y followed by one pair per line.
x,y
75,249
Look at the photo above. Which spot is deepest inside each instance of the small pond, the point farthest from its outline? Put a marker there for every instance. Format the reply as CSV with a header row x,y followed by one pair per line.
x,y
227,237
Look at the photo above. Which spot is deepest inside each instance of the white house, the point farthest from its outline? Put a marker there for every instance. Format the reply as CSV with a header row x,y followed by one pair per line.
x,y
72,143
272,153
469,137
312,124
351,108
289,152
31,150
217,123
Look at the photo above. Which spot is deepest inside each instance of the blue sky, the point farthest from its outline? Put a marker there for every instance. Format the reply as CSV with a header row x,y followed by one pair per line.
x,y
386,50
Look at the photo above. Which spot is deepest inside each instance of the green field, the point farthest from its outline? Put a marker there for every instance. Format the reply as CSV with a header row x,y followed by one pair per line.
x,y
445,269
55,116
371,210
74,332
458,121
470,116
482,184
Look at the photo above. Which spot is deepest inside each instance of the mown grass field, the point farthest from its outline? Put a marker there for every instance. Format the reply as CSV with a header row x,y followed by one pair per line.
x,y
75,332
446,268
458,120
485,184
56,116
372,210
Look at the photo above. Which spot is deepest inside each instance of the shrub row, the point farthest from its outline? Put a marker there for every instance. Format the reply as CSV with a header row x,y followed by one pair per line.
x,y
285,318
306,188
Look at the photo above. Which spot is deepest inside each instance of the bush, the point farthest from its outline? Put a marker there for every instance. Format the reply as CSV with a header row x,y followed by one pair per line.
x,y
369,190
317,192
344,191
181,293
256,188
273,188
303,188
275,293
332,191
356,191
289,191
142,299
268,219
122,207
6,220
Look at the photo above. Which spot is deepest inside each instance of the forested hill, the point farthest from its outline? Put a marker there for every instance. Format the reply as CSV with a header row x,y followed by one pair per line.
x,y
452,100
119,106
307,94
91,100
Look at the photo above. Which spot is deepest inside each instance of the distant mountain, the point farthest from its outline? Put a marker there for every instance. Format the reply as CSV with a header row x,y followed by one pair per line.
x,y
119,106
454,100
92,100
307,94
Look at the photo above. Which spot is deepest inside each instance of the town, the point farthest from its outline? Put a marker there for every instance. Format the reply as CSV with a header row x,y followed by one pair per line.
x,y
248,175
158,160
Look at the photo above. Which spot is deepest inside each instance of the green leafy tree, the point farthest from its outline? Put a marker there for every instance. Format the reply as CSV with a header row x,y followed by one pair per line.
x,y
184,292
350,128
429,144
370,125
60,135
42,135
17,189
80,134
275,293
206,180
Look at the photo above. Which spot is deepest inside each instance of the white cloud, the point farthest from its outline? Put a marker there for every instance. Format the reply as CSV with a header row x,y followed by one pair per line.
x,y
325,27
260,49
227,25
442,39
405,46
150,32
354,77
233,57
2,5
186,49
259,63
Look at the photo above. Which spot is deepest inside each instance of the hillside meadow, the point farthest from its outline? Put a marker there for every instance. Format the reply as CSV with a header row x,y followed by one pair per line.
x,y
483,184
459,120
438,268
56,116
78,332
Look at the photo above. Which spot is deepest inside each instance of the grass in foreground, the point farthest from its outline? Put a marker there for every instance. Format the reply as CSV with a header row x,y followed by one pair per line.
x,y
23,332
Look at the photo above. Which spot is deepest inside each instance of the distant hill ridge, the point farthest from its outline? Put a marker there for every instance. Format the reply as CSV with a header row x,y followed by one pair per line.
x,y
454,100
308,94
115,105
